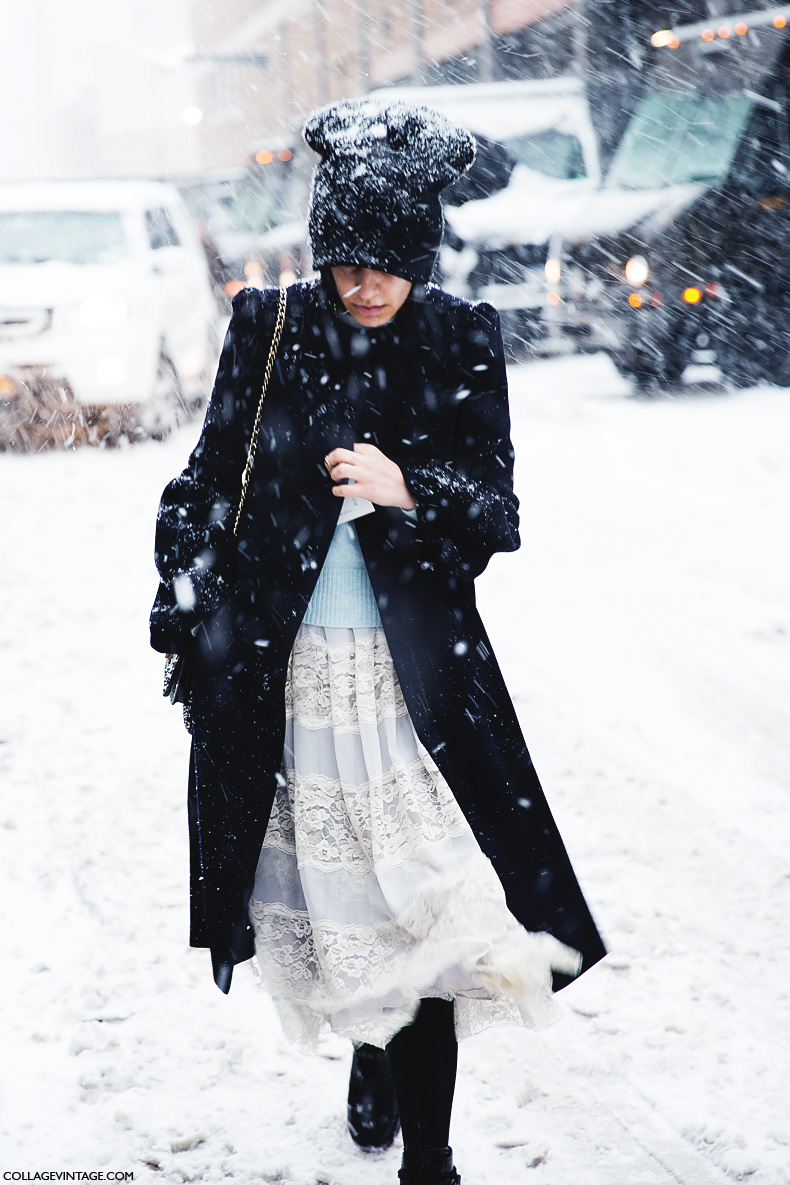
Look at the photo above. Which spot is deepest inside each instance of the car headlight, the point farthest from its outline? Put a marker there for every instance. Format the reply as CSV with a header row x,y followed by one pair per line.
x,y
103,311
637,271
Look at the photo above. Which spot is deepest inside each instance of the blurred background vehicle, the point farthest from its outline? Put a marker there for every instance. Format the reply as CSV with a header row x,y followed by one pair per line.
x,y
254,215
107,317
537,152
677,266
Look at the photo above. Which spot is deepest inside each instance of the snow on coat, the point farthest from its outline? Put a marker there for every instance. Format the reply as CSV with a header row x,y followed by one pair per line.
x,y
430,390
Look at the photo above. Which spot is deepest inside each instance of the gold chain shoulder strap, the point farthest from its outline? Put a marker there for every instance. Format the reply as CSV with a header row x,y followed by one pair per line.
x,y
278,332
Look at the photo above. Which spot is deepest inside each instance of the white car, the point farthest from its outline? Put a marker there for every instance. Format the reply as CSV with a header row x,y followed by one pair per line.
x,y
108,320
499,242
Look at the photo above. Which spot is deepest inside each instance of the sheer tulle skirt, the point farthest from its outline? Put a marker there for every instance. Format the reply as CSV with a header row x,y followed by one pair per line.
x,y
371,890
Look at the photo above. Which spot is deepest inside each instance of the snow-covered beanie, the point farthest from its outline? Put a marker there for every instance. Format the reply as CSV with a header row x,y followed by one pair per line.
x,y
375,196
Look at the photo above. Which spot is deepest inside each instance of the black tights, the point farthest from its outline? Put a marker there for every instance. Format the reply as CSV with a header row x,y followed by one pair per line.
x,y
424,1060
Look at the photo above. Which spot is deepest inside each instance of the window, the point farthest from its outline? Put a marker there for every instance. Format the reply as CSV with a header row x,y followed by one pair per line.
x,y
679,136
160,230
553,153
223,89
762,163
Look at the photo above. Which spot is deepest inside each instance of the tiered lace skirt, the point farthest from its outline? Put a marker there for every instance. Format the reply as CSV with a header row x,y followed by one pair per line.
x,y
371,890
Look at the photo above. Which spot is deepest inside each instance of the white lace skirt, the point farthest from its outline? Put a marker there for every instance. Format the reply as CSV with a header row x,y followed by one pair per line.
x,y
371,890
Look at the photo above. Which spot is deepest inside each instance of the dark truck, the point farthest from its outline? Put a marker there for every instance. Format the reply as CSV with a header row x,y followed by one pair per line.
x,y
679,266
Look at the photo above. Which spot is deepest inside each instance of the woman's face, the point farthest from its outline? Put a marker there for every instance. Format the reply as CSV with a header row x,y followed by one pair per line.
x,y
372,298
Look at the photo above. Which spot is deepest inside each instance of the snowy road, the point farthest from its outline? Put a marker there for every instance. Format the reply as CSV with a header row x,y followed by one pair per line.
x,y
644,629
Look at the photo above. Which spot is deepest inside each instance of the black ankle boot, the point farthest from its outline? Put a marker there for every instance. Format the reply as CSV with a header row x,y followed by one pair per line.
x,y
373,1118
428,1166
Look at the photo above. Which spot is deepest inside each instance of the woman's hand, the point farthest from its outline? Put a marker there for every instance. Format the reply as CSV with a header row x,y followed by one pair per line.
x,y
375,477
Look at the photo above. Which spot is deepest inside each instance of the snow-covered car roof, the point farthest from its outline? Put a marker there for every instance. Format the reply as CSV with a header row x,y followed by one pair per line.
x,y
85,195
532,209
499,110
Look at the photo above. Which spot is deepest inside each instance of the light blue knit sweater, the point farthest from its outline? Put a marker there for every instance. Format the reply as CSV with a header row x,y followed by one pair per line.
x,y
343,595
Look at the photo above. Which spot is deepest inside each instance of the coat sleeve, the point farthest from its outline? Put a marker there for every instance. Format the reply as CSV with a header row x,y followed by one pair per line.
x,y
466,508
195,547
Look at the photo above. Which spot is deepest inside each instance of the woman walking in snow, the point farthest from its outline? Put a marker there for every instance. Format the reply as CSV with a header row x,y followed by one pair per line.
x,y
364,814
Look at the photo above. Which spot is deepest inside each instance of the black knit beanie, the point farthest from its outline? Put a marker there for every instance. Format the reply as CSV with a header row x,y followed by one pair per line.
x,y
375,197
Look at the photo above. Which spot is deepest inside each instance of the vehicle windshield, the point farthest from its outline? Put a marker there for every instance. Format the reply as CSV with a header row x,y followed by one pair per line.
x,y
258,201
260,206
553,153
679,136
71,236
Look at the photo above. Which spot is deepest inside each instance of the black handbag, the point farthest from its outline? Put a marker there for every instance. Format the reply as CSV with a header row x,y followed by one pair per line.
x,y
178,667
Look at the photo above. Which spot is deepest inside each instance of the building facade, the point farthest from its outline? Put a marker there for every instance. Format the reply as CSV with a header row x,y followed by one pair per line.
x,y
263,64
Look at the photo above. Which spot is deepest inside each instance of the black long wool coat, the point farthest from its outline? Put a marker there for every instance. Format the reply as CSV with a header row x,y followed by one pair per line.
x,y
430,391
